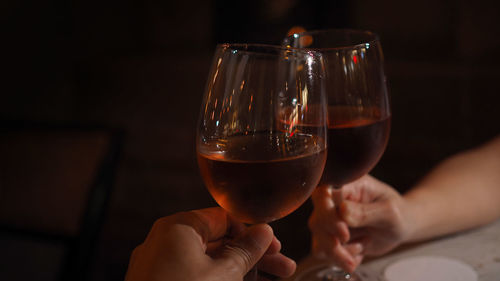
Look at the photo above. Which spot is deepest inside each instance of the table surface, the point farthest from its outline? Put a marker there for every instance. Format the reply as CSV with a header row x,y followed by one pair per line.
x,y
479,248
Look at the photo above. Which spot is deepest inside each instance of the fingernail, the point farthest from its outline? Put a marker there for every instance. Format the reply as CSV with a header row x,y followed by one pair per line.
x,y
261,233
319,255
329,191
358,247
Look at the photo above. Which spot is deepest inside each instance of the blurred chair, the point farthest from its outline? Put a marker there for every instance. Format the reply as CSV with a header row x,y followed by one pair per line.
x,y
55,183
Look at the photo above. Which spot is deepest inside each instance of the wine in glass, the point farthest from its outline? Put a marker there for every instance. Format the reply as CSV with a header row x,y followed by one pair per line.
x,y
261,138
358,111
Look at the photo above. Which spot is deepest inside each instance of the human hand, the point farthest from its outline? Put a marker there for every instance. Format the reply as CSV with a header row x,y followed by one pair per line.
x,y
364,218
206,245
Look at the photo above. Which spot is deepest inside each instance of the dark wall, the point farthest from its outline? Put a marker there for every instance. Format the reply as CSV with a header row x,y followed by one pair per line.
x,y
141,66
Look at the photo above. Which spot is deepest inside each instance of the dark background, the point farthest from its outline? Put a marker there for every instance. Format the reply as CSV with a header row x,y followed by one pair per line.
x,y
139,69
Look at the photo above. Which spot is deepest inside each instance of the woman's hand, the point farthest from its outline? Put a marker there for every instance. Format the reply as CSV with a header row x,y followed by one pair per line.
x,y
364,218
369,217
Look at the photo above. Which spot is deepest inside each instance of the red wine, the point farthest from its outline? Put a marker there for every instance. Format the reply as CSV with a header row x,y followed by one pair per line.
x,y
262,177
357,138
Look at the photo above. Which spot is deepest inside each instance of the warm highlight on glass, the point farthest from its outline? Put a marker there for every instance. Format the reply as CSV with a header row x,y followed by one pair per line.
x,y
358,110
261,138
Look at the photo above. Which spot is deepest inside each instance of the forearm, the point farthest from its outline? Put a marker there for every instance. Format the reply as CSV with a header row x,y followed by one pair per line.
x,y
460,193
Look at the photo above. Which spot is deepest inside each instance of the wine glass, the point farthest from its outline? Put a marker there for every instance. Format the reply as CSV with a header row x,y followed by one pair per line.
x,y
358,111
261,138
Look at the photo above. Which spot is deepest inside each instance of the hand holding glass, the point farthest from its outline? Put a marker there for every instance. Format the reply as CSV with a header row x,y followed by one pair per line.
x,y
358,110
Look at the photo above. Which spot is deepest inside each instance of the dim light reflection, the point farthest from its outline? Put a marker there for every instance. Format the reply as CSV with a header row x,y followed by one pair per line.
x,y
304,96
206,104
251,102
295,114
219,61
345,65
354,58
215,75
309,61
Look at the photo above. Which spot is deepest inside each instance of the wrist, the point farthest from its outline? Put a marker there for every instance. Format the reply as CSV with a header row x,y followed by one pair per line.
x,y
410,219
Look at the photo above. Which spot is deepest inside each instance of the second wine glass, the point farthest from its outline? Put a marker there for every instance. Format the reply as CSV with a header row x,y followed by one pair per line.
x,y
358,111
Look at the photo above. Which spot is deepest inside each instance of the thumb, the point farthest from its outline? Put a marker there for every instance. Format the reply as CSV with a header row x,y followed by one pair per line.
x,y
362,214
242,253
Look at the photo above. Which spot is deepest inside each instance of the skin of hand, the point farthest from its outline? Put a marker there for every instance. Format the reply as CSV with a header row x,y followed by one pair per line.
x,y
363,218
368,217
206,245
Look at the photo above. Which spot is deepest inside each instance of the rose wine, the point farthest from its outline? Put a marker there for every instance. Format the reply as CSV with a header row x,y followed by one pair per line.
x,y
357,137
262,177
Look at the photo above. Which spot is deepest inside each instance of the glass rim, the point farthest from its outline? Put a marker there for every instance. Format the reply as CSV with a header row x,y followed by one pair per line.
x,y
253,48
372,38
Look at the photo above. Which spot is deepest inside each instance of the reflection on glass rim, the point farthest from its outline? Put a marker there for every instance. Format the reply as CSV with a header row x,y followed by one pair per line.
x,y
353,38
263,49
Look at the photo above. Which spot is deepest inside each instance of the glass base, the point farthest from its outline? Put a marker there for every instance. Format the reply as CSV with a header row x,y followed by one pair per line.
x,y
327,273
